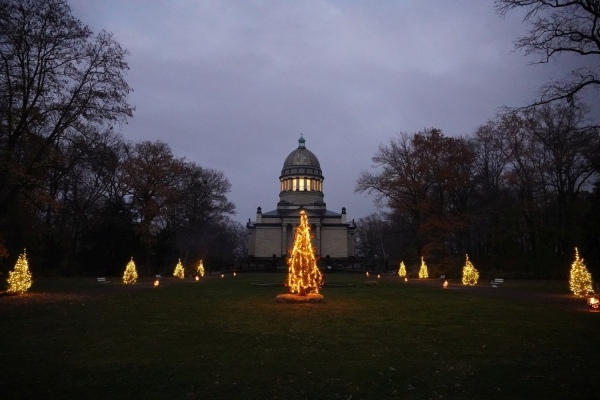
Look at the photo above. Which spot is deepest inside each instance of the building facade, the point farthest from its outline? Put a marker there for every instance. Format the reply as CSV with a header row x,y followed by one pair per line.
x,y
301,188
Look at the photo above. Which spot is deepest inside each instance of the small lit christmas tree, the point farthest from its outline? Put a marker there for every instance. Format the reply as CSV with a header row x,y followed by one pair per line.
x,y
402,270
581,280
470,274
130,275
19,280
200,269
423,270
304,277
179,273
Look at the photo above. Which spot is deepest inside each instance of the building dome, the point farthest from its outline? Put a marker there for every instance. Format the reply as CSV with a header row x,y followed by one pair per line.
x,y
302,161
301,180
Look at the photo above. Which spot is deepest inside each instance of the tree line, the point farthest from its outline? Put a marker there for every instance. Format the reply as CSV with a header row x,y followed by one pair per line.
x,y
519,194
81,198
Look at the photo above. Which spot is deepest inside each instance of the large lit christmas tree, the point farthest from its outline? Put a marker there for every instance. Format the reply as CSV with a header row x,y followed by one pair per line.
x,y
19,279
423,273
179,273
470,274
580,280
304,278
130,275
402,270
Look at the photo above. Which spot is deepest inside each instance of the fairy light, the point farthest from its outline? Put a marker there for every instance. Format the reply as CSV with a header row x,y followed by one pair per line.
x,y
200,269
423,270
402,270
178,272
19,279
580,280
470,274
130,275
303,275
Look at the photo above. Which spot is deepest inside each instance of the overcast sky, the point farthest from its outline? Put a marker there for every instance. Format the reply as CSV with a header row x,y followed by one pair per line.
x,y
231,85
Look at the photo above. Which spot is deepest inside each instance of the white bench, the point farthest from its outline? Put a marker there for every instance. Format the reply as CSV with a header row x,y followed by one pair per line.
x,y
101,280
442,276
158,276
497,282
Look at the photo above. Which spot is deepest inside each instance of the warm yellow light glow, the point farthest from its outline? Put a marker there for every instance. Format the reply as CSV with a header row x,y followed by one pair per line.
x,y
156,282
303,275
581,280
593,302
179,272
402,270
234,274
19,279
130,275
378,276
200,269
470,274
405,279
197,278
222,275
423,273
445,285
367,273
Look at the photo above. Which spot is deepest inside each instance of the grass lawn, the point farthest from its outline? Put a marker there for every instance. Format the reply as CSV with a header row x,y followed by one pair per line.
x,y
228,339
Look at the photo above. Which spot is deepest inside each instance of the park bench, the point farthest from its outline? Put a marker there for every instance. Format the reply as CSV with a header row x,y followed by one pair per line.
x,y
497,282
442,276
101,280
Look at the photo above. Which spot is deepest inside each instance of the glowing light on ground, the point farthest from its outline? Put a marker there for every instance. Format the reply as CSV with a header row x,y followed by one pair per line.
x,y
19,279
423,273
156,282
304,278
445,285
470,274
581,280
402,270
130,275
593,302
179,272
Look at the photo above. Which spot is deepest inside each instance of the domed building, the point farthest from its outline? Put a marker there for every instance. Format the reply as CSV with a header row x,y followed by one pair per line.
x,y
301,188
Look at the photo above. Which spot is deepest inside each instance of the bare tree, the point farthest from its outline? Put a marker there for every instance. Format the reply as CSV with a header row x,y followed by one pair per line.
x,y
57,79
561,27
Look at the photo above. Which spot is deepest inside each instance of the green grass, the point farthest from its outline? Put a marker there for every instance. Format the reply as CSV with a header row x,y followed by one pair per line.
x,y
227,339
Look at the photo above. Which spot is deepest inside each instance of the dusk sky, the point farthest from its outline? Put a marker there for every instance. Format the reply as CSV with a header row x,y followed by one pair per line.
x,y
231,85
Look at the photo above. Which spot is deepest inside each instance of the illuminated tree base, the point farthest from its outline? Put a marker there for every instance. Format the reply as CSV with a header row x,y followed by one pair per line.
x,y
294,298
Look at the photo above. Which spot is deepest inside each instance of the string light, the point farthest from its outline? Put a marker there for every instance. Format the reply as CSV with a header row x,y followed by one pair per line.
x,y
130,275
19,280
303,275
470,274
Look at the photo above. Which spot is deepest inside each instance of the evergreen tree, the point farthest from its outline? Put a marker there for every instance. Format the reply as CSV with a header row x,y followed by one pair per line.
x,y
470,274
303,275
200,269
179,273
130,276
402,270
19,280
581,280
423,273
